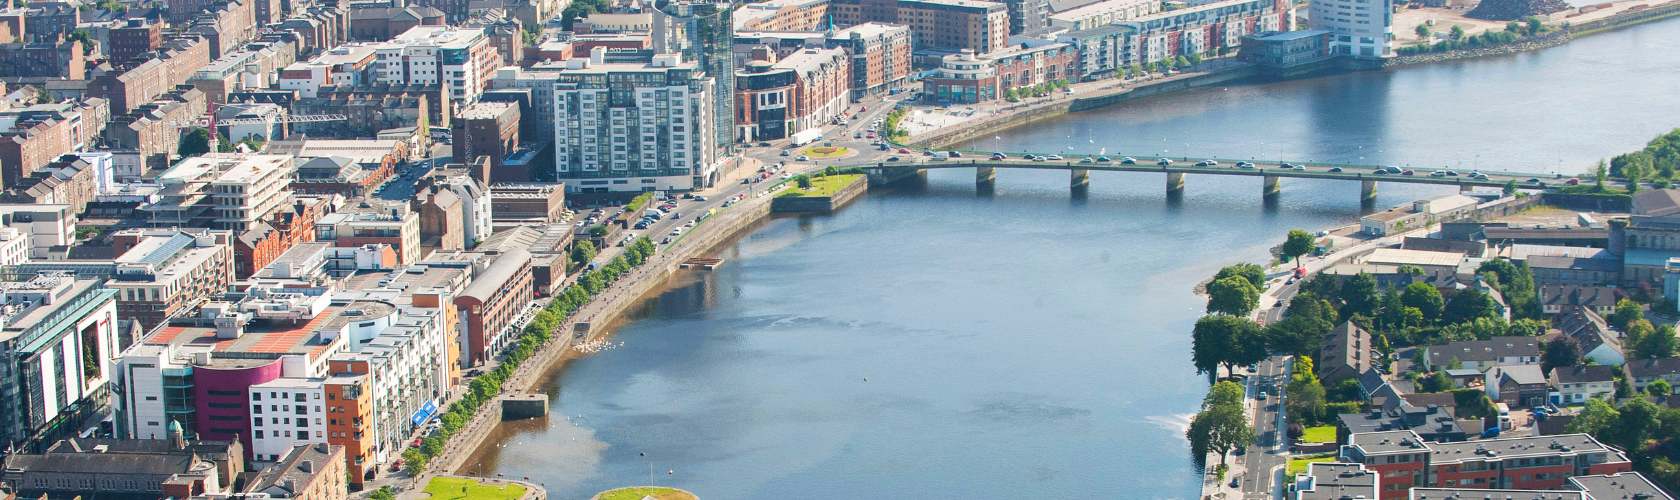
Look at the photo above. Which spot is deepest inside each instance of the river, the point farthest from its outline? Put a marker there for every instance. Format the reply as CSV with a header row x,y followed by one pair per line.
x,y
932,342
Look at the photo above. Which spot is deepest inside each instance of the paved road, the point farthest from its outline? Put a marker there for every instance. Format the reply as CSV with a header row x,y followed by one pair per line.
x,y
1271,449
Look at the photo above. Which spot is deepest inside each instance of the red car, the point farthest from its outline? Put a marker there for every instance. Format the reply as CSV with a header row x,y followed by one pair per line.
x,y
903,151
1573,182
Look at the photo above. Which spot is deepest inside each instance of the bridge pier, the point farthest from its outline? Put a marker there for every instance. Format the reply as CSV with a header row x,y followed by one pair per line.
x,y
1175,182
985,176
1270,186
1079,178
1367,191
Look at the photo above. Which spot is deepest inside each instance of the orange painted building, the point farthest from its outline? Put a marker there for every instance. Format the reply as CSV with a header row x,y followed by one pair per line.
x,y
349,416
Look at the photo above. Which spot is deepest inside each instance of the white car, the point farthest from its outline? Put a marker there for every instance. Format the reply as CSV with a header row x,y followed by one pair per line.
x,y
1054,157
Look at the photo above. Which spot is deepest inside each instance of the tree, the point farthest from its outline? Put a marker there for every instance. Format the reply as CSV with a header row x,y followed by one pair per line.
x,y
1220,429
1305,394
1220,339
1597,419
1233,295
1422,31
1437,381
1297,243
1425,297
582,253
1251,272
1510,188
1469,304
1599,175
1560,353
383,493
1627,312
1224,393
1359,295
1637,423
196,142
1472,403
1534,26
1657,344
804,181
1456,33
1659,389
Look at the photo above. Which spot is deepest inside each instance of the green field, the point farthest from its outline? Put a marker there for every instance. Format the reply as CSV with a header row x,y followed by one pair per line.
x,y
453,488
637,493
1298,465
1319,434
821,186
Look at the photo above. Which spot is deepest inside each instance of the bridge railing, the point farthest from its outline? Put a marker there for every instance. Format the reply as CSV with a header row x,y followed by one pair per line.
x,y
1151,158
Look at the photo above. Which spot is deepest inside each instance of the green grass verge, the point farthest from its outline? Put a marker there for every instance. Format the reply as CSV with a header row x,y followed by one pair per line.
x,y
1298,465
821,186
1319,434
452,488
637,493
821,152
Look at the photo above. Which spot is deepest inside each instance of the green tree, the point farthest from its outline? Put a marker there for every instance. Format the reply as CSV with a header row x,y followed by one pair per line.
x,y
1359,295
1598,418
383,493
1437,381
1599,175
1299,242
1510,188
1251,272
1626,312
1637,423
1534,26
1456,33
1232,295
1658,344
1659,389
1224,393
1472,403
196,142
1469,304
1305,394
1422,31
582,253
1220,429
1636,333
1425,297
1560,353
804,181
1219,339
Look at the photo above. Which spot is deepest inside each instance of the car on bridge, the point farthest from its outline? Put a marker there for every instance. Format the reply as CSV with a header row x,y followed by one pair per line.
x,y
999,156
1207,163
1128,161
892,158
1335,170
1103,159
1244,164
1054,157
1087,160
1163,162
1299,168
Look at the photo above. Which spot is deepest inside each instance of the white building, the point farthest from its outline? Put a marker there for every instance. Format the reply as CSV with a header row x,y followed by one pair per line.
x,y
1103,13
657,135
1360,28
460,59
58,342
286,412
222,191
14,246
348,64
47,226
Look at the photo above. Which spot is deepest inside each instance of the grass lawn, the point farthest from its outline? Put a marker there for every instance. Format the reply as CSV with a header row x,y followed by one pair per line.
x,y
821,186
1319,434
824,151
637,493
450,488
1298,465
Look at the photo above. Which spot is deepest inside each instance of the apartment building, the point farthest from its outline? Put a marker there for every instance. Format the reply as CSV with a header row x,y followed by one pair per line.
x,y
1104,13
229,191
935,25
971,78
1203,29
657,134
58,340
805,90
782,15
489,129
491,303
343,65
394,224
460,60
1362,29
880,54
1403,460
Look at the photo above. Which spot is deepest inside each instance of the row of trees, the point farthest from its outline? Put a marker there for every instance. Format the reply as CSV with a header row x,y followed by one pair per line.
x,y
1220,426
1040,90
1655,163
1642,339
484,388
1458,39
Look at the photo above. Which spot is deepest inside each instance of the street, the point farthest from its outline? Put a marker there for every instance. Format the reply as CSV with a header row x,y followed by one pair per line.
x,y
1271,449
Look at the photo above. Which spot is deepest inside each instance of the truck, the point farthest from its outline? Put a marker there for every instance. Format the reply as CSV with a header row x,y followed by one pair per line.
x,y
806,137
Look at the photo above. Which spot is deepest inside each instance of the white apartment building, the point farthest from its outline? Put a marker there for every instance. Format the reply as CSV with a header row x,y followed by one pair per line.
x,y
14,246
1359,28
1103,13
286,412
634,126
222,191
462,60
346,64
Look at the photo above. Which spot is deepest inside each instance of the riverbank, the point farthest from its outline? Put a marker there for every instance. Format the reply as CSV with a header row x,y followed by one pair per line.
x,y
1568,30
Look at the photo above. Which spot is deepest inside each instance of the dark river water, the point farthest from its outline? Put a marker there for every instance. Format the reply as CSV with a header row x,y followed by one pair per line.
x,y
932,342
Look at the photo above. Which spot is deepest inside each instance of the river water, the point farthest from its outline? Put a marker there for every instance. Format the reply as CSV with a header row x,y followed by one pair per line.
x,y
934,342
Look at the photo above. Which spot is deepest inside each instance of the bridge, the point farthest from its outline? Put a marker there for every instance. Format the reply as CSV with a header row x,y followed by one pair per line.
x,y
1271,172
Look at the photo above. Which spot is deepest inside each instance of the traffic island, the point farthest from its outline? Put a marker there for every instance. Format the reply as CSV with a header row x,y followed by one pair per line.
x,y
472,488
641,492
822,194
826,152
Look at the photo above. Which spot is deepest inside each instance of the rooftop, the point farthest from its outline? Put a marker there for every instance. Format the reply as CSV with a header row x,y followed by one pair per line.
x,y
1483,350
1626,485
1334,481
1480,494
1413,257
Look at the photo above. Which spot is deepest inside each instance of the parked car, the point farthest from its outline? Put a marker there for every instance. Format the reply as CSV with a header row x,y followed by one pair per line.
x,y
892,158
1407,172
787,153
903,151
1035,158
1573,182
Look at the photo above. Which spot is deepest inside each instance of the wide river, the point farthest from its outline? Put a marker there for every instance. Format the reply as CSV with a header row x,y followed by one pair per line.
x,y
929,342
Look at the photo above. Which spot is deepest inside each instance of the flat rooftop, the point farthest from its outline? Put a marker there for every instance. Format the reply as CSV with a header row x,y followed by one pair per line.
x,y
1414,257
262,339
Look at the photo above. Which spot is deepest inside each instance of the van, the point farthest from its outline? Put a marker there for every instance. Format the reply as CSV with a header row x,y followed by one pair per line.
x,y
941,156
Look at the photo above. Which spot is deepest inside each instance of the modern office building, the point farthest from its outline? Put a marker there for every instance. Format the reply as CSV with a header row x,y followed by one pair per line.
x,y
631,127
1362,29
57,343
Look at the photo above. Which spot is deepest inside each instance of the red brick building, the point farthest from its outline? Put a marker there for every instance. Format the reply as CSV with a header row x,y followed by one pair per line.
x,y
492,301
135,37
1404,460
266,240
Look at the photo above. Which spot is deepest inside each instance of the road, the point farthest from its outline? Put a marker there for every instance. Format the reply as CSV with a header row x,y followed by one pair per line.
x,y
1270,428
